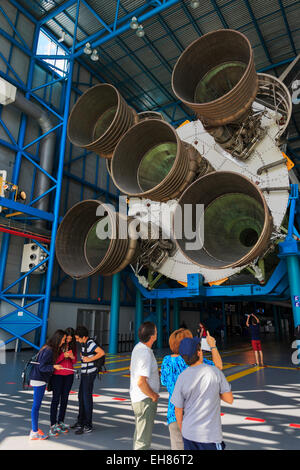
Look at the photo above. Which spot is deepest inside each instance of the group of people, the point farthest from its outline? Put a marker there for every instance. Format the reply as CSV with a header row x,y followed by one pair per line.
x,y
196,385
54,369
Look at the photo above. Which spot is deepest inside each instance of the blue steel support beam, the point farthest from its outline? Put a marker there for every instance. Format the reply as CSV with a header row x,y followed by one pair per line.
x,y
290,250
275,287
176,314
114,314
26,209
159,322
276,320
139,314
262,40
193,289
56,11
57,197
145,16
287,27
168,317
224,321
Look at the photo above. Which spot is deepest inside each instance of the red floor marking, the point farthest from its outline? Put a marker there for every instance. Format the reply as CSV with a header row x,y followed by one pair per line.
x,y
72,392
10,383
222,414
256,419
96,395
295,425
120,399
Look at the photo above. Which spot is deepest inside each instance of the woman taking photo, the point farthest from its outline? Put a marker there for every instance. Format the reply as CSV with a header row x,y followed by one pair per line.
x,y
61,383
40,375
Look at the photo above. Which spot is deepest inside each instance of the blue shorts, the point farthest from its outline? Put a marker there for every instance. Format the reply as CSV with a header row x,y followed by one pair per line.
x,y
192,445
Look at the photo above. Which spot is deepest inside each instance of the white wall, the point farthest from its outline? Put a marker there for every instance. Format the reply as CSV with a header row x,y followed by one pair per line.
x,y
63,315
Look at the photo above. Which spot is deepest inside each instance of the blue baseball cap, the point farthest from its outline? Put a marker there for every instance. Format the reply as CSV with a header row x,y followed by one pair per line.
x,y
188,347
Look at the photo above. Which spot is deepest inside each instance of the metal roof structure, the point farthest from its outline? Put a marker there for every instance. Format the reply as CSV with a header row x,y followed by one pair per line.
x,y
141,67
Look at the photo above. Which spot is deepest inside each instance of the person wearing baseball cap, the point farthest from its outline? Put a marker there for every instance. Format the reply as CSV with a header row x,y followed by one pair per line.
x,y
197,399
171,368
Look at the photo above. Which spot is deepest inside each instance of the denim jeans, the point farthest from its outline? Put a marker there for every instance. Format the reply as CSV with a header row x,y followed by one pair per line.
x,y
38,394
61,385
85,397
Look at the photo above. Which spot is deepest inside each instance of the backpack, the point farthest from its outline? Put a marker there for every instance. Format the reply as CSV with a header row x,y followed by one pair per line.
x,y
99,363
27,370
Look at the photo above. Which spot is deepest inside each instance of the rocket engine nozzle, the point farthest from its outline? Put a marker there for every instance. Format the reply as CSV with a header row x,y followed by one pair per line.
x,y
151,161
99,119
215,77
235,224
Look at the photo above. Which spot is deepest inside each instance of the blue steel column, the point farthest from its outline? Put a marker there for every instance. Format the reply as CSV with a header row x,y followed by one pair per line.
x,y
168,318
289,249
176,314
114,314
224,321
294,282
58,191
159,324
139,315
276,321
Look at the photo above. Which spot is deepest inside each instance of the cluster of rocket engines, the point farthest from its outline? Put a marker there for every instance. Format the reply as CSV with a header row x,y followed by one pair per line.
x,y
227,162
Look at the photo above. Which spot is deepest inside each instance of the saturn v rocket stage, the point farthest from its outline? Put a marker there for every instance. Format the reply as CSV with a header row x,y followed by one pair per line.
x,y
209,197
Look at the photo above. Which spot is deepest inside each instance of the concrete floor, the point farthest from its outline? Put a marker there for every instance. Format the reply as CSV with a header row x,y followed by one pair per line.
x,y
266,404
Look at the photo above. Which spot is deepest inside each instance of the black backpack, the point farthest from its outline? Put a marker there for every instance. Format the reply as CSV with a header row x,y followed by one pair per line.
x,y
99,363
27,370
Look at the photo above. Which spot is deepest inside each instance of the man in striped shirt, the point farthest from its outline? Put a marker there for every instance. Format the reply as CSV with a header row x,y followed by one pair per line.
x,y
90,352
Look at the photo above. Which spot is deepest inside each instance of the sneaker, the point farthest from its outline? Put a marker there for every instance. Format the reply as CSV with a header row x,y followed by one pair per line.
x,y
37,436
76,426
84,430
87,429
79,430
54,430
63,427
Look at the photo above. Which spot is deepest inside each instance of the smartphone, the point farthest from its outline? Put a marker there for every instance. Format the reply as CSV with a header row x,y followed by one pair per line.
x,y
204,345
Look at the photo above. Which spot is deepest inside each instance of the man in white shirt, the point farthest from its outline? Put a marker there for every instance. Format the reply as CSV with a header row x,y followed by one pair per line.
x,y
144,386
